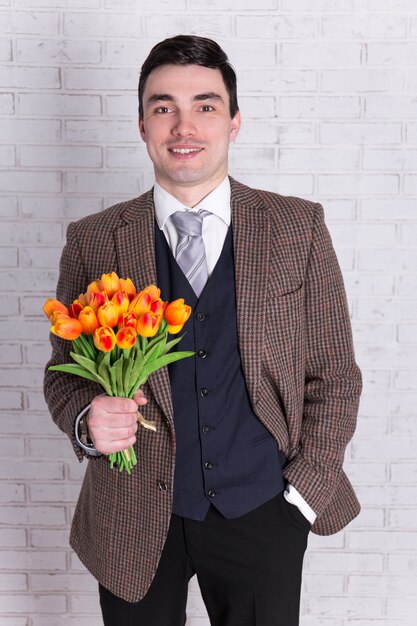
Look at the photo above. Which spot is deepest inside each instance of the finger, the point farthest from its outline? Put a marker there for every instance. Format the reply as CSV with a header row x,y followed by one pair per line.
x,y
139,398
115,446
114,405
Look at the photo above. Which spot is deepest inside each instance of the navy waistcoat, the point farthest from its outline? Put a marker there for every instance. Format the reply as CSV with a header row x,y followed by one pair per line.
x,y
225,456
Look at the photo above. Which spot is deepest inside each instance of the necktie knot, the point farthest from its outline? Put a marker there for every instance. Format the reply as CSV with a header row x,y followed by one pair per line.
x,y
189,223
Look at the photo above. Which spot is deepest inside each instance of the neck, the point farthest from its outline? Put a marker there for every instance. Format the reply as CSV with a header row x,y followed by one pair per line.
x,y
190,196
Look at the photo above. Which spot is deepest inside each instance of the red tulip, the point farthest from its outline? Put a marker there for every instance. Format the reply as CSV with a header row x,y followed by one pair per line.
x,y
148,324
104,339
126,337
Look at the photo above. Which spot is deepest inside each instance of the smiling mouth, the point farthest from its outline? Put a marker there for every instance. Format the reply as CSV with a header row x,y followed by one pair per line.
x,y
185,150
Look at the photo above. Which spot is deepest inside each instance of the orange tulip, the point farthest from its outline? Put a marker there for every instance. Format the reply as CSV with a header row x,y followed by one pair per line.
x,y
66,327
158,307
148,324
126,338
75,309
153,291
127,286
52,306
82,299
121,300
176,312
93,287
110,284
108,314
104,339
141,303
88,320
127,320
97,299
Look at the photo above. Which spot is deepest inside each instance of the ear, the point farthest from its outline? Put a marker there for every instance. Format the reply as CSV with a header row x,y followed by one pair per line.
x,y
141,125
235,126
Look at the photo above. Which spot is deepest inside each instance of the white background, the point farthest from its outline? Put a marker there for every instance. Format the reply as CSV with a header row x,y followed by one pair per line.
x,y
328,93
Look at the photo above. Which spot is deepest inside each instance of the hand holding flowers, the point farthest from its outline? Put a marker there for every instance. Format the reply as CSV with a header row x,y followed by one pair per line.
x,y
119,337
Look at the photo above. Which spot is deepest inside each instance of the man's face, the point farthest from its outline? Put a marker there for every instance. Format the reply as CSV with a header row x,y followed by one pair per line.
x,y
187,127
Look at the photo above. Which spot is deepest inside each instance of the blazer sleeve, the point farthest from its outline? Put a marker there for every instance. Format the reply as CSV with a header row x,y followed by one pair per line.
x,y
333,381
66,394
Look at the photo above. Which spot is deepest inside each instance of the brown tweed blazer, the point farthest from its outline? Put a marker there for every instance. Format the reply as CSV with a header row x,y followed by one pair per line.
x,y
297,356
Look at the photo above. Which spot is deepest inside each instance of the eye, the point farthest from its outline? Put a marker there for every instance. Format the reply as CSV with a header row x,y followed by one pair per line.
x,y
162,110
206,108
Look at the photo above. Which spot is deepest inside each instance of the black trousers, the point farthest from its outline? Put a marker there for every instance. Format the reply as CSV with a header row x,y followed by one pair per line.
x,y
248,570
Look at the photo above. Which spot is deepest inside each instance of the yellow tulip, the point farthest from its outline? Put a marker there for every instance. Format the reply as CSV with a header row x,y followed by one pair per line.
x,y
66,327
126,337
54,306
110,284
88,320
108,314
148,324
104,339
141,303
121,300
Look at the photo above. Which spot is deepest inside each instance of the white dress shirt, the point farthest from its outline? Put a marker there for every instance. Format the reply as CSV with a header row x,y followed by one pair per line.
x,y
214,232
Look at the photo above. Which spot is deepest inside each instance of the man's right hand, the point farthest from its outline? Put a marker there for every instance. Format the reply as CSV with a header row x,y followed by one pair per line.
x,y
112,422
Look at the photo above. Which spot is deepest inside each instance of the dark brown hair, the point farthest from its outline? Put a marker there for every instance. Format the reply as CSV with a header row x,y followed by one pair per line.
x,y
190,50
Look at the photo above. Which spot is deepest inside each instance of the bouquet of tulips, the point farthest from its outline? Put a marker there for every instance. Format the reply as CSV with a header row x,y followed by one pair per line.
x,y
119,337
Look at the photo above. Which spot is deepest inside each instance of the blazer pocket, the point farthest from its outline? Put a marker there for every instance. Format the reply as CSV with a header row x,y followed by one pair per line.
x,y
286,290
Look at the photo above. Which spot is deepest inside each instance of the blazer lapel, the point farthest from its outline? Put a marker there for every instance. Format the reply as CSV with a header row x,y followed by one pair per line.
x,y
251,234
135,249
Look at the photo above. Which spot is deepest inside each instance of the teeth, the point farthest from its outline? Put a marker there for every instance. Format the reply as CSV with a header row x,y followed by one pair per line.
x,y
185,150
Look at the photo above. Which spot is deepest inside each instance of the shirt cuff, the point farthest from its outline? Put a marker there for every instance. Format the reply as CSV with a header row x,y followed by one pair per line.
x,y
81,435
294,497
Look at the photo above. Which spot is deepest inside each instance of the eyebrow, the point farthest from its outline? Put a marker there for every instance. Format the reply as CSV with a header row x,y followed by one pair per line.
x,y
166,97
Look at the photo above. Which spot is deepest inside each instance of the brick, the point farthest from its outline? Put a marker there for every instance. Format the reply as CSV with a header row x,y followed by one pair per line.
x,y
320,5
59,51
13,422
10,354
389,308
364,284
277,81
54,104
403,403
84,603
34,603
347,562
30,280
409,235
407,284
381,585
57,582
340,209
8,207
373,332
228,5
10,400
13,537
390,53
40,258
125,157
103,182
161,26
369,424
76,471
12,492
12,302
61,156
5,50
33,515
126,52
400,563
394,260
285,185
48,538
6,104
370,519
343,606
391,5
57,448
362,80
395,159
364,26
7,156
318,159
54,492
383,449
34,560
256,107
30,77
358,184
411,133
36,401
360,133
12,232
403,518
13,582
391,540
102,131
46,470
14,621
37,353
65,620
277,27
58,208
390,107
101,24
249,53
256,132
405,380
19,130
59,3
410,184
319,54
319,107
402,607
101,78
403,472
29,23
125,104
8,258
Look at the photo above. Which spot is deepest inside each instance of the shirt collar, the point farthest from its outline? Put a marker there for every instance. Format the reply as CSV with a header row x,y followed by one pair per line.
x,y
217,202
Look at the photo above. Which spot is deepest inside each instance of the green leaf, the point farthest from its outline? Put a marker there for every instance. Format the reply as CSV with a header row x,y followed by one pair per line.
x,y
118,369
136,369
171,344
127,370
113,381
88,364
71,368
86,348
103,366
155,340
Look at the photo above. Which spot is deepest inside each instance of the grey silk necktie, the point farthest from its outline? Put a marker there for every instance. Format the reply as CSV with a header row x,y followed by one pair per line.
x,y
191,253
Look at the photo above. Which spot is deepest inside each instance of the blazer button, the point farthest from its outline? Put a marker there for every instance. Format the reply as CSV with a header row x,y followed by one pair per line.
x,y
162,486
208,465
211,493
200,316
202,354
206,429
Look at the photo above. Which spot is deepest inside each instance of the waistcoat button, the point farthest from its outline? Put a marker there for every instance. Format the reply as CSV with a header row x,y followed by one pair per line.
x,y
211,493
208,465
206,429
202,354
204,391
200,316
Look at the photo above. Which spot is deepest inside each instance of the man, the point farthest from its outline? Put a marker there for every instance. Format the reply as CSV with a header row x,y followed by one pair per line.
x,y
251,432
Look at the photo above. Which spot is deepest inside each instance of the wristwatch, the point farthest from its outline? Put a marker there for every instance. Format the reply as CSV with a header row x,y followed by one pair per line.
x,y
82,435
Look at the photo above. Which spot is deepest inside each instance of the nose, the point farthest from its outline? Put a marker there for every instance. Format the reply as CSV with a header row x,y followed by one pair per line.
x,y
184,125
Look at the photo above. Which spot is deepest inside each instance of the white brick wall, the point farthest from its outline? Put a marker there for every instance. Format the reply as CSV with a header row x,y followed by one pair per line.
x,y
328,92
